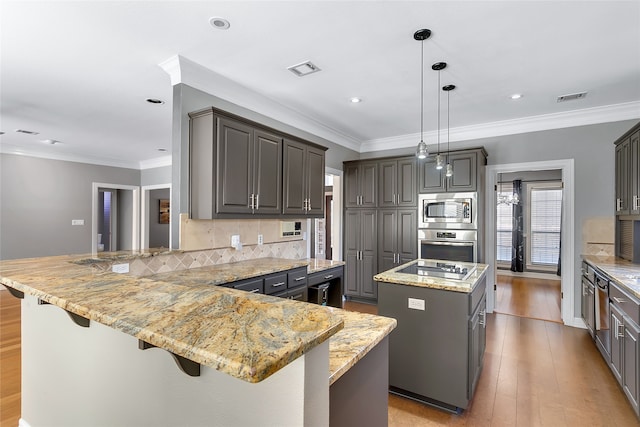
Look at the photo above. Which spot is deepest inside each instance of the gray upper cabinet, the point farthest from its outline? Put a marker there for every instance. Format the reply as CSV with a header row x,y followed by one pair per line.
x,y
468,173
249,169
237,170
627,180
360,184
397,184
303,179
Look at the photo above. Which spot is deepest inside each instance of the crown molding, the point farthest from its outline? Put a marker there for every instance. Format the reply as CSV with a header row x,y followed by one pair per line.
x,y
158,162
183,70
583,117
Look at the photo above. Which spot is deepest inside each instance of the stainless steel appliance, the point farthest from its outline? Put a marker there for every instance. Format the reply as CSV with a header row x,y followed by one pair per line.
x,y
602,310
454,245
448,211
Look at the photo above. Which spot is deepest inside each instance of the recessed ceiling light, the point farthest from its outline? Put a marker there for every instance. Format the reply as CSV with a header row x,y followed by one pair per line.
x,y
1,133
356,100
155,101
51,141
28,132
162,150
516,96
219,23
303,69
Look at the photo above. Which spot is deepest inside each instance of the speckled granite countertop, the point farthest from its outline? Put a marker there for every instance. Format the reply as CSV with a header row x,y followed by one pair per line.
x,y
316,265
245,335
624,272
467,285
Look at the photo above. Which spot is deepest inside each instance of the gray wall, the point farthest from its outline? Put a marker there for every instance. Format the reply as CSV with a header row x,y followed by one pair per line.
x,y
154,176
40,197
124,218
158,233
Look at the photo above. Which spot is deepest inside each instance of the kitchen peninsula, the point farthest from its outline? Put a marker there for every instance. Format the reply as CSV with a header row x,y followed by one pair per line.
x,y
437,350
244,358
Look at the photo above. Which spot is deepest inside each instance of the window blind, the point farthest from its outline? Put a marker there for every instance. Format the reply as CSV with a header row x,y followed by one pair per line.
x,y
546,205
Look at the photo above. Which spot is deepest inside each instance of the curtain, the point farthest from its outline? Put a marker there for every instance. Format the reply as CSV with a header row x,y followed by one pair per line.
x,y
517,238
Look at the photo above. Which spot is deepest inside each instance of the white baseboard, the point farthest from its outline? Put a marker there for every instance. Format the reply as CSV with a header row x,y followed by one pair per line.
x,y
23,423
528,274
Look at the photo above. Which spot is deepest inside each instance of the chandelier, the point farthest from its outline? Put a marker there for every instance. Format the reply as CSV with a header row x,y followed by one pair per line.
x,y
506,199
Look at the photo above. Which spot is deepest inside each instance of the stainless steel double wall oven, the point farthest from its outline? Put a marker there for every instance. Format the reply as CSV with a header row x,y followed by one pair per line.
x,y
448,226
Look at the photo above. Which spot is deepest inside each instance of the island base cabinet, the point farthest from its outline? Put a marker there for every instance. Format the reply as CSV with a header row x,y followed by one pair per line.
x,y
76,377
631,362
437,349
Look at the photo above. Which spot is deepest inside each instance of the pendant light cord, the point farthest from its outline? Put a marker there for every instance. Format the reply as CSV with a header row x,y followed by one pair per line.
x,y
422,91
439,114
448,127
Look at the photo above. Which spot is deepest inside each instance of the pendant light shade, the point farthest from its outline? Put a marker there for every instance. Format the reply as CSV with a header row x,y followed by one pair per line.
x,y
439,161
449,168
421,36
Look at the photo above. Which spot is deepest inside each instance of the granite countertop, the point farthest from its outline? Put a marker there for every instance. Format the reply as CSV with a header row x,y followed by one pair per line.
x,y
247,336
316,265
625,273
466,286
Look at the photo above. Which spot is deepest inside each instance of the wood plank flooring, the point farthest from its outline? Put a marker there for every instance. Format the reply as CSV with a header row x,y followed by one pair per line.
x,y
536,373
531,298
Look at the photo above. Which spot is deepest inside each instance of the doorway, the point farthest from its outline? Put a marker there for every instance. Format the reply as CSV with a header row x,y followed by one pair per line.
x,y
155,221
327,243
567,289
115,218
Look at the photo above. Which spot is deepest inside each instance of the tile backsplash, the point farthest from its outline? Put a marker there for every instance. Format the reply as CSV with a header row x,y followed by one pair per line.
x,y
598,236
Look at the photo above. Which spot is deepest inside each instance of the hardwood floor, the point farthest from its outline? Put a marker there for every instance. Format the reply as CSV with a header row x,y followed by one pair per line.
x,y
526,297
536,373
10,366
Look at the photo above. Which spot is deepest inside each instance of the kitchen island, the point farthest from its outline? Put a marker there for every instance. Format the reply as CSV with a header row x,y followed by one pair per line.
x,y
436,352
251,359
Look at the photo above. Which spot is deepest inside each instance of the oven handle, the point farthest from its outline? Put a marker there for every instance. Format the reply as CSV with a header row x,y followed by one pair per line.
x,y
437,242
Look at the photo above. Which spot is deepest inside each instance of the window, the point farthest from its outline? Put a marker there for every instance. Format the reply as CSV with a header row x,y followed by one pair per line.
x,y
545,209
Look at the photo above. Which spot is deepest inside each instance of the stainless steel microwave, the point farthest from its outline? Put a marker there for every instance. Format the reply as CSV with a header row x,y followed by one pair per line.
x,y
448,210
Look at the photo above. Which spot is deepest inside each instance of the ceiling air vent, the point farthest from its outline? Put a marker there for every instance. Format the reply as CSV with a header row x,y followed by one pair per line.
x,y
571,97
28,132
303,69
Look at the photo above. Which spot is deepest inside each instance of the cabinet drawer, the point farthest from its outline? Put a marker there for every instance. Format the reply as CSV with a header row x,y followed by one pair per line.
x,y
255,285
625,302
324,276
297,277
275,283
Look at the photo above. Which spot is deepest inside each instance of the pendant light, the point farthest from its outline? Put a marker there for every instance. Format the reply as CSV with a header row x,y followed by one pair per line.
x,y
504,199
422,35
438,66
449,168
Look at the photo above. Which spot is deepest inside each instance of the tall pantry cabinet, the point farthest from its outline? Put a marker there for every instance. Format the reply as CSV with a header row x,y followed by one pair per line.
x,y
380,220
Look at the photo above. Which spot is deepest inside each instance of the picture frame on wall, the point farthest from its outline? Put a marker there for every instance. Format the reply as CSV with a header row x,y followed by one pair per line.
x,y
164,211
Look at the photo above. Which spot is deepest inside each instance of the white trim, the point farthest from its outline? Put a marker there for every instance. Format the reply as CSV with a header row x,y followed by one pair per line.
x,y
528,274
144,209
23,423
135,232
337,217
158,162
568,244
565,119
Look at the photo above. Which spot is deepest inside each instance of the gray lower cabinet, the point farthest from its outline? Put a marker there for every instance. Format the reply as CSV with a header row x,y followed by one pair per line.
x,y
468,173
397,237
360,241
326,287
588,305
303,179
437,350
625,342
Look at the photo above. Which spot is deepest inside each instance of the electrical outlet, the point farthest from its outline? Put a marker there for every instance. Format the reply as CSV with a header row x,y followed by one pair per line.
x,y
417,304
77,222
260,239
120,268
235,240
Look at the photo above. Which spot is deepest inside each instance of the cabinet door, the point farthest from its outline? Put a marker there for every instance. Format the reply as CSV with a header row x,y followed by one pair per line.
x,y
388,183
368,185
234,166
617,339
622,178
267,182
631,360
431,180
351,185
368,246
591,309
407,247
477,344
294,182
352,252
464,172
315,181
387,239
634,174
407,189
201,160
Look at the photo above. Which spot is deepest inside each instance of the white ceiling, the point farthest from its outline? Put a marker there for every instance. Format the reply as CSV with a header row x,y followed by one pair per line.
x,y
79,72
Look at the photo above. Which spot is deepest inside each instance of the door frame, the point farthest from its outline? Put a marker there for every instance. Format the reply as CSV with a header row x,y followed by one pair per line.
x,y
135,220
144,209
567,238
337,213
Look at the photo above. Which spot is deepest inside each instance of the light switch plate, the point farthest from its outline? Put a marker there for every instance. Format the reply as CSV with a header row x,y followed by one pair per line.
x,y
417,304
77,222
260,239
